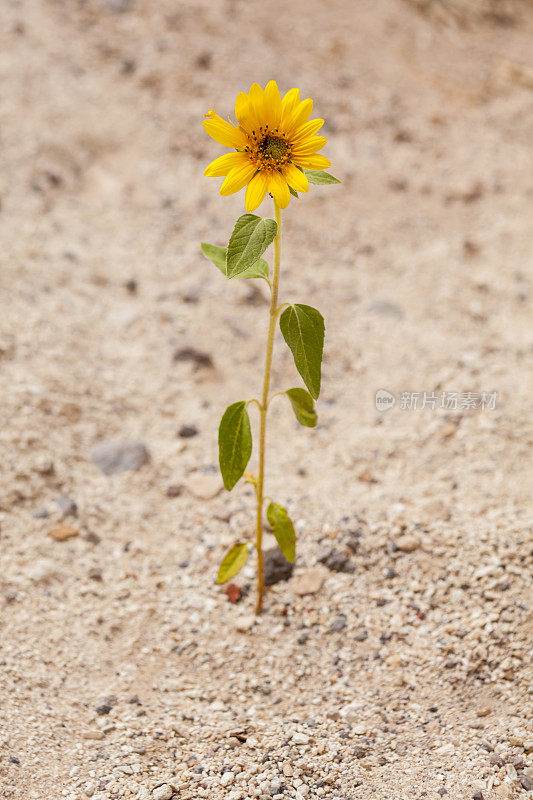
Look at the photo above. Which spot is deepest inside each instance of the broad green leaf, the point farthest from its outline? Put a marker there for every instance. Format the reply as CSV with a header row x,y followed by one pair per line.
x,y
233,561
283,530
293,191
259,269
218,256
303,330
303,406
250,238
234,443
215,254
319,177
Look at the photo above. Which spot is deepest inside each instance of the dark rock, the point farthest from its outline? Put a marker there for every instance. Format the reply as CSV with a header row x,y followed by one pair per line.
x,y
41,513
13,760
103,709
303,638
496,760
175,490
115,457
188,431
338,624
197,357
92,538
359,752
276,566
361,636
95,574
68,507
337,560
478,796
526,782
134,700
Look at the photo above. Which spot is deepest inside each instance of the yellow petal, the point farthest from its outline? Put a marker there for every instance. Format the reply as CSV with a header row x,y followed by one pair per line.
x,y
278,188
289,102
223,132
257,105
256,191
301,114
244,114
296,178
308,146
272,101
237,178
312,162
222,165
306,130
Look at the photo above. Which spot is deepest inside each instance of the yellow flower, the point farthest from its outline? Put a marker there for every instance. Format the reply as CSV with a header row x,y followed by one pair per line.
x,y
273,142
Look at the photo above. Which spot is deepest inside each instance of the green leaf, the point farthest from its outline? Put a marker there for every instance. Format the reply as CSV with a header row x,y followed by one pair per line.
x,y
234,443
250,238
258,270
215,254
293,191
233,561
303,330
319,177
303,406
218,256
283,530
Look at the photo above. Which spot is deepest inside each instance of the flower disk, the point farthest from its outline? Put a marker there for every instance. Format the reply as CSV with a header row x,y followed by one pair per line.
x,y
273,142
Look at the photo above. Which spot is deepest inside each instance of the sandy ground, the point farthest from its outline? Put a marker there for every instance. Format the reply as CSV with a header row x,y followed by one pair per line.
x,y
124,670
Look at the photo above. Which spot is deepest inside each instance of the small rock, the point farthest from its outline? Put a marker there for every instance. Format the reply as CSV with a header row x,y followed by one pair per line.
x,y
309,581
338,624
175,490
68,507
113,458
337,560
233,592
526,782
63,532
478,796
95,574
300,738
407,543
504,790
528,745
276,566
227,778
197,357
41,513
163,792
188,431
103,709
244,624
204,486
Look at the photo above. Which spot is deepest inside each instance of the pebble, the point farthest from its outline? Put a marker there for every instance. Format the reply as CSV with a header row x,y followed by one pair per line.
x,y
41,513
300,738
43,570
276,566
245,623
407,543
63,532
187,431
309,581
114,457
338,624
337,560
163,792
67,506
227,779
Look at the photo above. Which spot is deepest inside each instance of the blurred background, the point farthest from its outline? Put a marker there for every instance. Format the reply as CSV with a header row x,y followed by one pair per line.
x,y
114,328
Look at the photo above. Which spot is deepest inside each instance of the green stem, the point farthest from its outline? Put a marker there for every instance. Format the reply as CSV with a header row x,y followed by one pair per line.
x,y
263,413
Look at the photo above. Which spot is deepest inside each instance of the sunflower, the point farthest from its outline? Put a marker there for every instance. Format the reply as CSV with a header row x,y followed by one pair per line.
x,y
274,142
